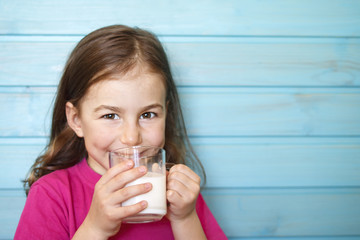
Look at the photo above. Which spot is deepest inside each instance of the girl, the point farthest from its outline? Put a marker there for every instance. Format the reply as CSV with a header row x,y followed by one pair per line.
x,y
116,91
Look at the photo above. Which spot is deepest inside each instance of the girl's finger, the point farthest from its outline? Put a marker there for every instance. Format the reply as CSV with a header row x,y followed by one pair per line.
x,y
128,192
123,178
185,180
123,212
173,197
115,170
187,171
178,187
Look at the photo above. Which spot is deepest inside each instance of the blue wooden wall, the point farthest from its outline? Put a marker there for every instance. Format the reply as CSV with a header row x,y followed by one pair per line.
x,y
270,89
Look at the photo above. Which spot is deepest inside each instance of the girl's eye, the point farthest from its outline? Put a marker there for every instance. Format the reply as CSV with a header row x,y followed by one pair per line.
x,y
148,115
111,116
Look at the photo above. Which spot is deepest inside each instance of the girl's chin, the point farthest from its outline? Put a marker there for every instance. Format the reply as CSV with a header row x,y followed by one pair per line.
x,y
99,167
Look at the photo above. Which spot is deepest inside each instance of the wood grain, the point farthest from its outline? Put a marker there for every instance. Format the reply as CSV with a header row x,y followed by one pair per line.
x,y
206,61
233,17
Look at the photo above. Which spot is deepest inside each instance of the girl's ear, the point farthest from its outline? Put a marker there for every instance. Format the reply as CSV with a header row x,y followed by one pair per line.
x,y
73,119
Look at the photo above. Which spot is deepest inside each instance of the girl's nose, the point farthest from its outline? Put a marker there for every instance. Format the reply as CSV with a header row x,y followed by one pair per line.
x,y
131,135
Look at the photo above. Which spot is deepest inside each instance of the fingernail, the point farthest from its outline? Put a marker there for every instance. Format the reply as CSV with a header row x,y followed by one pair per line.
x,y
143,203
147,186
142,169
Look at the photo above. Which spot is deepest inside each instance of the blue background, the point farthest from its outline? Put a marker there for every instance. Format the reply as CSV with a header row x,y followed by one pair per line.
x,y
270,91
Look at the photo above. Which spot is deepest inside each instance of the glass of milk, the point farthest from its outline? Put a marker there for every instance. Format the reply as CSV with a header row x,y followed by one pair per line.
x,y
153,158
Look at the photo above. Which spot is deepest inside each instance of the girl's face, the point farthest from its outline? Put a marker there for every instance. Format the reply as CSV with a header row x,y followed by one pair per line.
x,y
125,110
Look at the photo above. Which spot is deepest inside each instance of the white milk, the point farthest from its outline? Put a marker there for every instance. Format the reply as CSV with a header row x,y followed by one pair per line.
x,y
156,198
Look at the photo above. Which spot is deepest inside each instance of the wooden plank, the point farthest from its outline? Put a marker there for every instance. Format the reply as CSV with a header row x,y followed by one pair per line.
x,y
32,63
246,17
255,213
12,204
203,61
272,112
286,212
266,62
280,162
234,162
16,158
216,111
27,111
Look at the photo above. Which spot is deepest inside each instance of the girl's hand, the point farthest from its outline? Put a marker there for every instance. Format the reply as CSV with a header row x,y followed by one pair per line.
x,y
105,214
183,187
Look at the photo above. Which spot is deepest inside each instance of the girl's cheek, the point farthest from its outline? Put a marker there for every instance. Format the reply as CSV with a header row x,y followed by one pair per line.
x,y
158,140
157,137
103,138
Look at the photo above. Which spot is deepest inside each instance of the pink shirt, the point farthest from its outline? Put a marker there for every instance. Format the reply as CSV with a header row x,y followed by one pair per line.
x,y
58,203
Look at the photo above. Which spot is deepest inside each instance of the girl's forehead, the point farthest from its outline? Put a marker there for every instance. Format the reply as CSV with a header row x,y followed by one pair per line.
x,y
132,78
137,72
140,84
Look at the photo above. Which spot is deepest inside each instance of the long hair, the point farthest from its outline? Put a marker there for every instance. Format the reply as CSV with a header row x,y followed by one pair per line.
x,y
105,52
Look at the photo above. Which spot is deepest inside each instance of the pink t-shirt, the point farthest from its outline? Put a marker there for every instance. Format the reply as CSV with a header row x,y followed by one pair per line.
x,y
58,203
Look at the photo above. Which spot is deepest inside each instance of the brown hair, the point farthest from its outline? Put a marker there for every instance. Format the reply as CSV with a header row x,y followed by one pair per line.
x,y
103,53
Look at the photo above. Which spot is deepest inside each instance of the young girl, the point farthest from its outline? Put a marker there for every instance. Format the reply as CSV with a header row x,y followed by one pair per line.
x,y
116,91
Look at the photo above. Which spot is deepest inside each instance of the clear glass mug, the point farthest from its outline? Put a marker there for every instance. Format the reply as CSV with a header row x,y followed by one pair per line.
x,y
153,158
